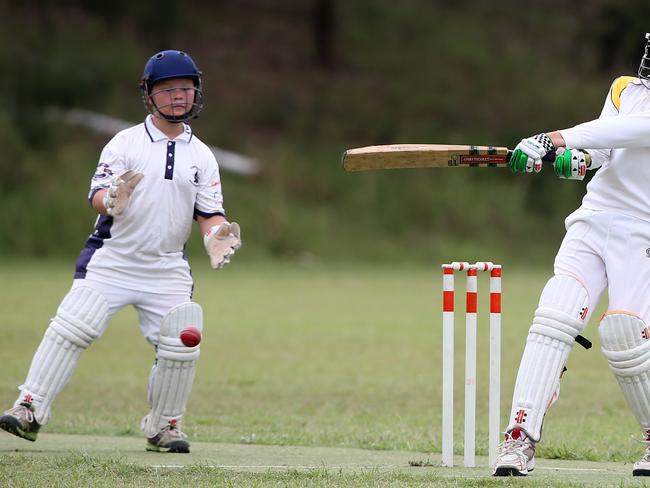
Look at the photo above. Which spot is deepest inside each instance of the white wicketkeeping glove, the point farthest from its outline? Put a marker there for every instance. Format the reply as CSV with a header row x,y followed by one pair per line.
x,y
119,192
221,242
535,148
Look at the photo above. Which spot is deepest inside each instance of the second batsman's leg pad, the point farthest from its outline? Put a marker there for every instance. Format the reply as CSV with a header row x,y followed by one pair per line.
x,y
172,376
625,342
558,319
80,319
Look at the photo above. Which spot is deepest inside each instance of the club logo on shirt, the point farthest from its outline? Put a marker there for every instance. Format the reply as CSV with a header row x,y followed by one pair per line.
x,y
647,253
103,171
195,180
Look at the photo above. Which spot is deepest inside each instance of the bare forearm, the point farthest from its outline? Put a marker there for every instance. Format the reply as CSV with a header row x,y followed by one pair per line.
x,y
205,224
557,139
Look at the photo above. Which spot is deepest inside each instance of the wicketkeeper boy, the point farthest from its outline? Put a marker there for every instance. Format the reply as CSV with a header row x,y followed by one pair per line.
x,y
151,181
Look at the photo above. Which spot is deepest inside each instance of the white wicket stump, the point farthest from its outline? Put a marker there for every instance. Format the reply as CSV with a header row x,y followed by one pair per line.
x,y
448,367
471,305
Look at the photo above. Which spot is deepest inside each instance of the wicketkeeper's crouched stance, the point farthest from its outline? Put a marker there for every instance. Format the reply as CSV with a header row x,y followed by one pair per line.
x,y
606,245
150,181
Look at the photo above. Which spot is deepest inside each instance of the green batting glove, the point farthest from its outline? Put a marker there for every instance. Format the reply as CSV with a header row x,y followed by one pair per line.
x,y
518,161
572,164
527,156
563,165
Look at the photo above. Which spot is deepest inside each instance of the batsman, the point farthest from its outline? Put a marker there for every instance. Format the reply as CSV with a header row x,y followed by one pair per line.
x,y
607,245
151,181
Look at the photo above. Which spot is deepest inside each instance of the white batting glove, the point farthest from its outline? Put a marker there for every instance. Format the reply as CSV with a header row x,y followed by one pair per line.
x,y
119,192
533,149
221,242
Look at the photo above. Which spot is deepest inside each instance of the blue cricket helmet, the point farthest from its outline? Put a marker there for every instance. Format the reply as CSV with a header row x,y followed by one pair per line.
x,y
167,65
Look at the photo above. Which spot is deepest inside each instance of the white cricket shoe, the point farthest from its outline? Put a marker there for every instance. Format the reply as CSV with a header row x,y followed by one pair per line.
x,y
20,420
169,439
642,466
515,455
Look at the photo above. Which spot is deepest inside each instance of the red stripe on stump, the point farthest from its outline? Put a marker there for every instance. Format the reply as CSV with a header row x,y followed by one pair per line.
x,y
447,301
471,306
495,302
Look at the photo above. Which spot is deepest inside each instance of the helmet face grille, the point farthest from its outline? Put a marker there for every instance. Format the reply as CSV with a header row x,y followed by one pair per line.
x,y
644,68
168,65
154,110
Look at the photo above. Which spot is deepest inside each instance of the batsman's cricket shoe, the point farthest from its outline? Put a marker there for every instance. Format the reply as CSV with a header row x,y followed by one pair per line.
x,y
642,466
515,456
169,439
20,421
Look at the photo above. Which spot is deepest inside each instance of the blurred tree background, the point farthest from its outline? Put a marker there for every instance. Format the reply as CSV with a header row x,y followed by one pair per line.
x,y
294,83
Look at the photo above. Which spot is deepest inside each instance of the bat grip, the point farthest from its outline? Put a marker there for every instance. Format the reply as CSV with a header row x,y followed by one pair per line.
x,y
549,157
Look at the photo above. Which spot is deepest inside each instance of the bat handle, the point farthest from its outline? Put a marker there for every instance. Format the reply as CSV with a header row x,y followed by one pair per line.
x,y
549,157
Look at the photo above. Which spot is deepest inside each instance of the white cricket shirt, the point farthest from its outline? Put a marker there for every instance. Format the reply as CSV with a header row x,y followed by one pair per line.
x,y
142,249
622,184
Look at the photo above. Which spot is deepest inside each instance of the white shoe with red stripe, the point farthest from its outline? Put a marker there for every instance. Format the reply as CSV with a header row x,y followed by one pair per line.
x,y
642,466
169,439
20,420
516,455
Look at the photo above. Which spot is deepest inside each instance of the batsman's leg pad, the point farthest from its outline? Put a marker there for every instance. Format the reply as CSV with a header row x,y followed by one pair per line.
x,y
80,319
558,319
625,342
172,376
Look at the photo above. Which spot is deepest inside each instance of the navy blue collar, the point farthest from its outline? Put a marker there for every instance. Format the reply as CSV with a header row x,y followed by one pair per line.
x,y
156,134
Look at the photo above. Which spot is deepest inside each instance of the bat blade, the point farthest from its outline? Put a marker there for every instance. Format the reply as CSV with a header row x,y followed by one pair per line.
x,y
396,156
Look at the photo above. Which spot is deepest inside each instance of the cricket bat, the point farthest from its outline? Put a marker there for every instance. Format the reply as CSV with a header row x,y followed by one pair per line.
x,y
396,156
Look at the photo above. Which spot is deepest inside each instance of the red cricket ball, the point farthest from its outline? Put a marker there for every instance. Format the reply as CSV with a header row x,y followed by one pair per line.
x,y
191,336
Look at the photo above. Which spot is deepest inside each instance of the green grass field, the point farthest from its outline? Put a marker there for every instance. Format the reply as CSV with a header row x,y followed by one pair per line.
x,y
314,361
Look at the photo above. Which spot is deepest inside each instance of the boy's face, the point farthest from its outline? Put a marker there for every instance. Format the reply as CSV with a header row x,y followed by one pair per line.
x,y
173,97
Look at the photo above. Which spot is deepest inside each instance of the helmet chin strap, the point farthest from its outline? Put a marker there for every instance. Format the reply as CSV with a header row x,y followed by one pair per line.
x,y
174,119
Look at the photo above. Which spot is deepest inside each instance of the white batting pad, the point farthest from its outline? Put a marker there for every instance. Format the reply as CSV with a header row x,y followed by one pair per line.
x,y
625,342
80,319
558,319
172,376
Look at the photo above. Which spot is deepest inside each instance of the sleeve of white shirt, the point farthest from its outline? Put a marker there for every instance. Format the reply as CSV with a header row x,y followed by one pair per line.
x,y
610,132
209,200
624,131
110,163
601,156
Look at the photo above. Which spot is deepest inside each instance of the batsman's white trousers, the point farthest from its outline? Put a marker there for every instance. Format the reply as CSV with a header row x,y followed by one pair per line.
x,y
151,307
608,250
